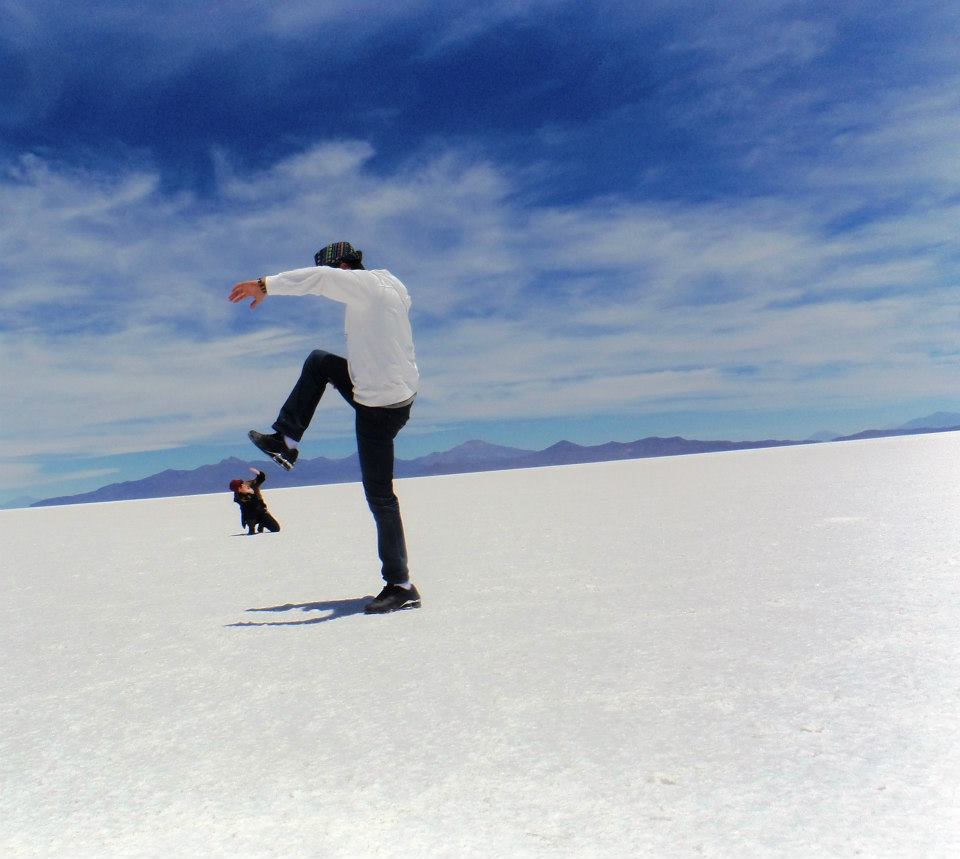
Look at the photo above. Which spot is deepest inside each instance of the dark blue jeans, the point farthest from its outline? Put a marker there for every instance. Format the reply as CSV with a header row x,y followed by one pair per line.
x,y
376,429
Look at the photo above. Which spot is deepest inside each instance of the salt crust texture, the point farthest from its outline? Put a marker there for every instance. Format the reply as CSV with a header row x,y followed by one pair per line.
x,y
749,654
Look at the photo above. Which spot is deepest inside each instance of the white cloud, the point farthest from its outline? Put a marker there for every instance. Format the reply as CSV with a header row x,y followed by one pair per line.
x,y
906,142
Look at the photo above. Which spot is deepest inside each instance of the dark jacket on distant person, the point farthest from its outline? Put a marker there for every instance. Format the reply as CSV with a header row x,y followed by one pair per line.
x,y
253,509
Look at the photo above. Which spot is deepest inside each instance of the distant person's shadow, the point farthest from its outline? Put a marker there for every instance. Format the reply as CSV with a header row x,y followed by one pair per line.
x,y
334,609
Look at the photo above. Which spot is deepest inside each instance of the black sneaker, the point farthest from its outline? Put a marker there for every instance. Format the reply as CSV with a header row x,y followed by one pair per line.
x,y
275,447
394,598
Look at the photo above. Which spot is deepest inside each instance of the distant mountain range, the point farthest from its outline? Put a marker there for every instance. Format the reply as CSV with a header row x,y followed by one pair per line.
x,y
467,457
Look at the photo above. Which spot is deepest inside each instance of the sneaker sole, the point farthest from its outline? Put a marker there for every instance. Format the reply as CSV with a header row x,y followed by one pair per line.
x,y
404,607
278,458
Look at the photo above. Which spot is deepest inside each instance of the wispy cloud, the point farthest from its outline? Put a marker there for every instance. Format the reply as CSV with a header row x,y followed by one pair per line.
x,y
524,311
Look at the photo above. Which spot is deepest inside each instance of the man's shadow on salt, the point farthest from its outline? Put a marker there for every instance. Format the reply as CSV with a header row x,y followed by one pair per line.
x,y
333,609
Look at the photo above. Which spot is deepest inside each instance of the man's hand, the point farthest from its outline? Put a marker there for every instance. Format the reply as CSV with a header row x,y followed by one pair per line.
x,y
247,289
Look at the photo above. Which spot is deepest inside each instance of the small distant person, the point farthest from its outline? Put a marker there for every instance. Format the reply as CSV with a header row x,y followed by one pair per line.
x,y
253,509
379,379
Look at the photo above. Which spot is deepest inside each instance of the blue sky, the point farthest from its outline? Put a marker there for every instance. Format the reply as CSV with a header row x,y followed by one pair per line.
x,y
732,219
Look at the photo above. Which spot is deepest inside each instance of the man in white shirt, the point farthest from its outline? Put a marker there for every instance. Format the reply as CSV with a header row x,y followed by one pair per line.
x,y
378,378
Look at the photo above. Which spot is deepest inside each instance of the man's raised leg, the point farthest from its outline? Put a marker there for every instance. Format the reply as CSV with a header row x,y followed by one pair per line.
x,y
320,369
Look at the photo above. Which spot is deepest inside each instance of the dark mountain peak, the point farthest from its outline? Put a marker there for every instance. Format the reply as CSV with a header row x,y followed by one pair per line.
x,y
473,444
563,447
476,447
234,462
473,455
938,420
823,435
474,451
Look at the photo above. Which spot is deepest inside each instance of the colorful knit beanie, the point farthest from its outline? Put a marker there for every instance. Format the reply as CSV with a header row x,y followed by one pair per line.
x,y
336,253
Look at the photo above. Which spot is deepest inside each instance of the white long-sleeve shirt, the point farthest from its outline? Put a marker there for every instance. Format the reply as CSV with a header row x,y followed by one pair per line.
x,y
380,353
